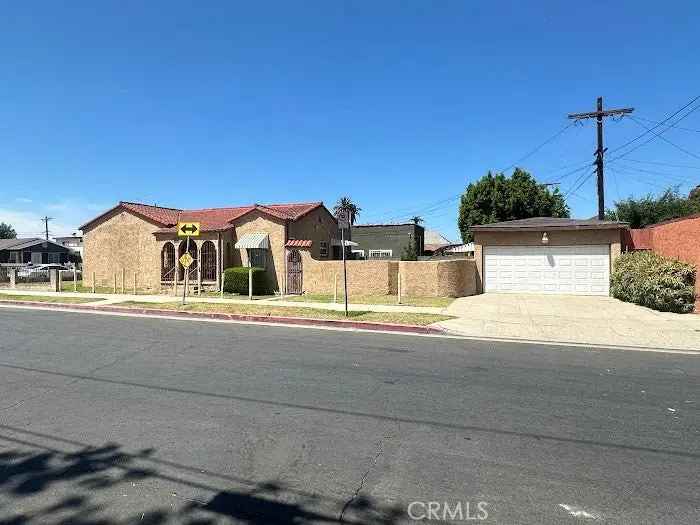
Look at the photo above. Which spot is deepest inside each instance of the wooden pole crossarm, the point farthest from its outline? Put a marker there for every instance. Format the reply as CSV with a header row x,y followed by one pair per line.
x,y
606,113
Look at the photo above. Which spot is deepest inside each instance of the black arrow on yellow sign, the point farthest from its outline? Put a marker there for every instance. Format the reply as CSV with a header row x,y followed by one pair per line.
x,y
188,229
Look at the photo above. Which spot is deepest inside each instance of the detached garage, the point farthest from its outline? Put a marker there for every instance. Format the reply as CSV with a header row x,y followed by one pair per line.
x,y
547,255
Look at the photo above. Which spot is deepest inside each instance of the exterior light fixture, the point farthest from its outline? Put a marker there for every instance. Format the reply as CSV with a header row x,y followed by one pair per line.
x,y
545,238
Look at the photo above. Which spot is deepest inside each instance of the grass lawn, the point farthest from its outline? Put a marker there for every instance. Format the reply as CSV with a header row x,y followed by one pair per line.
x,y
374,299
286,311
45,298
67,286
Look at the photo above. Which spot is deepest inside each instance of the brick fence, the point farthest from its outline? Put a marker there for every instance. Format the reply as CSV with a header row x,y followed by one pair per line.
x,y
451,278
676,238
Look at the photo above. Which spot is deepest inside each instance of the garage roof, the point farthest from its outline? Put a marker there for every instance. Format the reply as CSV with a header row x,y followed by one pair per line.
x,y
550,223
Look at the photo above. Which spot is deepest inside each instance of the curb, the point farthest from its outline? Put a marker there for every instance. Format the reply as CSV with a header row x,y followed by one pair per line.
x,y
300,321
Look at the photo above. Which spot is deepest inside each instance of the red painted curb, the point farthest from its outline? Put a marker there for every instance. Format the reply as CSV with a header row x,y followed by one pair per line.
x,y
302,321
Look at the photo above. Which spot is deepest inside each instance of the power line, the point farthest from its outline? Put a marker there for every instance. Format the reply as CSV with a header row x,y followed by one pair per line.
x,y
539,147
666,140
635,139
675,178
651,130
669,125
638,178
583,179
682,166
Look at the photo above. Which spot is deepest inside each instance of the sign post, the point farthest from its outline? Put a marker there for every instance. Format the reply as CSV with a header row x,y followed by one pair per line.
x,y
186,229
344,222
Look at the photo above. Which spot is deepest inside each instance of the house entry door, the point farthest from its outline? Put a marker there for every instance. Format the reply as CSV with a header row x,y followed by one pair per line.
x,y
294,273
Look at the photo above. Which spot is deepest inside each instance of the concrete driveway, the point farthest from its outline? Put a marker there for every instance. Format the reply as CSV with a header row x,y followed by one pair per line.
x,y
573,319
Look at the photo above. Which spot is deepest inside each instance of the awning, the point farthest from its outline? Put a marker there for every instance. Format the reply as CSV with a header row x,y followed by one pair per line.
x,y
254,240
337,242
299,243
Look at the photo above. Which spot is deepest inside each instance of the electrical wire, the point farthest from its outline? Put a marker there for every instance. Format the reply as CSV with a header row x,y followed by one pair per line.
x,y
539,147
583,179
622,155
665,139
683,166
635,139
669,125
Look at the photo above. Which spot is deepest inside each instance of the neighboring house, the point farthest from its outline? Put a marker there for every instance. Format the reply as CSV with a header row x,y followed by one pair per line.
x,y
386,241
33,251
674,238
547,255
435,242
73,242
142,239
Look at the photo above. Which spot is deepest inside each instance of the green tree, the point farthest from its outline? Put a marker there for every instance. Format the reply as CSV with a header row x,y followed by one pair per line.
x,y
695,193
651,209
495,198
346,203
410,252
7,231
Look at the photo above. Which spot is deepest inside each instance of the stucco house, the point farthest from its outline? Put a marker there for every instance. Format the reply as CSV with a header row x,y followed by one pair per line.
x,y
142,239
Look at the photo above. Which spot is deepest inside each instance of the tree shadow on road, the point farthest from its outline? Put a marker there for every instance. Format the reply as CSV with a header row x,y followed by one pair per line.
x,y
88,487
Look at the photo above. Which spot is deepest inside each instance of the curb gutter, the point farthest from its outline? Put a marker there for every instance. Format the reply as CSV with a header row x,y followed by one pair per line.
x,y
301,321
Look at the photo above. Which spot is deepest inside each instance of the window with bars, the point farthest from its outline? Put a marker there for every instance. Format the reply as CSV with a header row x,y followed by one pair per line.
x,y
323,248
257,257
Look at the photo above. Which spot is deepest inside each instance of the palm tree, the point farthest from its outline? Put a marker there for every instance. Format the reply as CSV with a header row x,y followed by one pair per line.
x,y
345,203
416,219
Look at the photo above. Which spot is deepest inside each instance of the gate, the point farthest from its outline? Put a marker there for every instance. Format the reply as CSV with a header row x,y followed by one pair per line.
x,y
294,273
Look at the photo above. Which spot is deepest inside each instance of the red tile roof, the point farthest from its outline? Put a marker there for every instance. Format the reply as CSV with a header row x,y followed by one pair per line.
x,y
157,214
211,219
299,243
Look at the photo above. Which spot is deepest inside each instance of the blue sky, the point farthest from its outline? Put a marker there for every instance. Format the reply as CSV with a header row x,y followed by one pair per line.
x,y
398,104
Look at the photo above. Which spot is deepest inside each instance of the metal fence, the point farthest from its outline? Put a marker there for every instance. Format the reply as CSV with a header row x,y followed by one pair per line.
x,y
29,275
4,275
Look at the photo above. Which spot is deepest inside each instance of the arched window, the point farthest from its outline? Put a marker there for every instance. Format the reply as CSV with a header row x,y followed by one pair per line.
x,y
208,261
167,262
193,252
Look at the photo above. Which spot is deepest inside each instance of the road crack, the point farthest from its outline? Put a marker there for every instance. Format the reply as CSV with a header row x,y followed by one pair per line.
x,y
379,452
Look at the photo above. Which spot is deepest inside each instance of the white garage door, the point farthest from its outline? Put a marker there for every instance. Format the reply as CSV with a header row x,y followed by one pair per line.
x,y
583,270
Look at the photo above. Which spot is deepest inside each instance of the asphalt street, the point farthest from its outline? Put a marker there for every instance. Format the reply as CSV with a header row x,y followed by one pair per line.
x,y
112,420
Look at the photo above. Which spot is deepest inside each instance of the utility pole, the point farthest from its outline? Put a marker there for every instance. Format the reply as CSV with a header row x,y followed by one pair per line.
x,y
599,114
46,220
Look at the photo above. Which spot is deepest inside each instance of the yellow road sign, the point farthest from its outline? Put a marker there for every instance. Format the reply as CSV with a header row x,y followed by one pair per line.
x,y
186,260
188,229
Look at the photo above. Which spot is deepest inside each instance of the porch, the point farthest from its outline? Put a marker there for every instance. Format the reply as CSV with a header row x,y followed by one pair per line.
x,y
205,271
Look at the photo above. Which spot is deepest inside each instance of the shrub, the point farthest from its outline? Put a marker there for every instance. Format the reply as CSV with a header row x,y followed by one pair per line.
x,y
650,280
236,280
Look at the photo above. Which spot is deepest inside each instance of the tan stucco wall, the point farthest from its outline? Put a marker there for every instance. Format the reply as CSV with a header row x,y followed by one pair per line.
x,y
318,225
121,240
534,238
364,277
453,278
275,229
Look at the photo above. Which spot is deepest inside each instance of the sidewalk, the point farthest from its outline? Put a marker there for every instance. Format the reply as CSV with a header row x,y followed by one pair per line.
x,y
108,299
